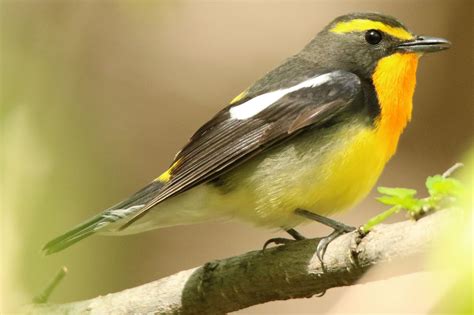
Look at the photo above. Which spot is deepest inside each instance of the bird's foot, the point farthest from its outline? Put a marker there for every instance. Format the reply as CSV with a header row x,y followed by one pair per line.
x,y
283,241
339,229
325,241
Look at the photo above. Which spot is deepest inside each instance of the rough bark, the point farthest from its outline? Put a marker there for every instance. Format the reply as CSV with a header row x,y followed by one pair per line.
x,y
280,273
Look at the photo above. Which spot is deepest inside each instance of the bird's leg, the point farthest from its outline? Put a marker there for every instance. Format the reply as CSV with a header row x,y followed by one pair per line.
x,y
339,229
295,234
281,240
338,226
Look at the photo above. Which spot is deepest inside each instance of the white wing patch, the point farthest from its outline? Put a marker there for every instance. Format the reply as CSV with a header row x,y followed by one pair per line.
x,y
117,214
257,104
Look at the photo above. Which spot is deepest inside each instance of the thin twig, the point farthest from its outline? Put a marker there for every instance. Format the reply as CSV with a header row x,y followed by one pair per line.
x,y
43,297
452,169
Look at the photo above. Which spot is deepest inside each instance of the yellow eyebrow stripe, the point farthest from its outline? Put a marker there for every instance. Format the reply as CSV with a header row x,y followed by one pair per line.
x,y
360,25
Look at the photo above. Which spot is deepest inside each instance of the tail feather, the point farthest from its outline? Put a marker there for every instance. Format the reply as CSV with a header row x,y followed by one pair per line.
x,y
75,235
99,222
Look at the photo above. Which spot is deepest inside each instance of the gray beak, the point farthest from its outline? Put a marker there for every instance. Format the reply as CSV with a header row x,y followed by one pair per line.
x,y
424,44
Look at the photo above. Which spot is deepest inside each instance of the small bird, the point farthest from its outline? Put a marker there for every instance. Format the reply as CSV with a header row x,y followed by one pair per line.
x,y
309,139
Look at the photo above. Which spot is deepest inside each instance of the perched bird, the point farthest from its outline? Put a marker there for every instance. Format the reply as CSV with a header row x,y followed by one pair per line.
x,y
308,139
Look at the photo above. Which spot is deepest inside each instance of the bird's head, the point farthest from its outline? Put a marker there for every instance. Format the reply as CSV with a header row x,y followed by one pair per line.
x,y
357,42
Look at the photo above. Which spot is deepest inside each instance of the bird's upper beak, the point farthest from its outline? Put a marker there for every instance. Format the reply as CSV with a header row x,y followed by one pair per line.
x,y
424,44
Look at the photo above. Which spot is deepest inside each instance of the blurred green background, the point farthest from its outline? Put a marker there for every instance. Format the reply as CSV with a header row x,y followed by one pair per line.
x,y
98,96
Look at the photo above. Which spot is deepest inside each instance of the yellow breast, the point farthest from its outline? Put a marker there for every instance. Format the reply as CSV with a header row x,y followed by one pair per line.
x,y
323,172
349,172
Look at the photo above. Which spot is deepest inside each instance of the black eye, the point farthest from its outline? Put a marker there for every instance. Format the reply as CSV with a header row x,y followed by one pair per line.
x,y
373,37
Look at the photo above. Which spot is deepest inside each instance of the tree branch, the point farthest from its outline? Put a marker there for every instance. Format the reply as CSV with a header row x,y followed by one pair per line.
x,y
285,272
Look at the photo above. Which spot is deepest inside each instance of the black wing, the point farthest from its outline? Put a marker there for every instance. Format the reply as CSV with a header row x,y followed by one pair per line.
x,y
231,138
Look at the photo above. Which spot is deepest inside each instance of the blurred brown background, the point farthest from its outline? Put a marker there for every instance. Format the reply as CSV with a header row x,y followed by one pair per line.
x,y
97,96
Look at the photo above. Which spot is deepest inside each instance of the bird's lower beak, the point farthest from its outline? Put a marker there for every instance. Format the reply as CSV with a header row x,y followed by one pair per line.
x,y
424,44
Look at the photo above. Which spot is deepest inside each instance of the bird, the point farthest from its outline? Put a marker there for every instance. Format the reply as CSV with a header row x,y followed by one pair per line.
x,y
307,140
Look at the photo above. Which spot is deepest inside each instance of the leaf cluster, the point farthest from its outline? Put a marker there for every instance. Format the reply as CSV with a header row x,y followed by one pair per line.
x,y
440,188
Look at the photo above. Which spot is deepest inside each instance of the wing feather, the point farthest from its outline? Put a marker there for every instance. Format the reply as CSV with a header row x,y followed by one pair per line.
x,y
225,142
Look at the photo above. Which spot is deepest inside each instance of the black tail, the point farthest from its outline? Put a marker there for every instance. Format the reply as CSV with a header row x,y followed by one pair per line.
x,y
75,235
118,212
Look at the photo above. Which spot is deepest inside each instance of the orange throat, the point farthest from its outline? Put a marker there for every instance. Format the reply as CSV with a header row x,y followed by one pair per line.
x,y
394,81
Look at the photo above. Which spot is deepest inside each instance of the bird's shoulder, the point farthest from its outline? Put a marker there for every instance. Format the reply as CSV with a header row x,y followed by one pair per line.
x,y
289,73
292,72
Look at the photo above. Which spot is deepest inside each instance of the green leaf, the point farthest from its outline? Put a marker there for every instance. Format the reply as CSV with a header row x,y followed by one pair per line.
x,y
397,192
401,197
440,187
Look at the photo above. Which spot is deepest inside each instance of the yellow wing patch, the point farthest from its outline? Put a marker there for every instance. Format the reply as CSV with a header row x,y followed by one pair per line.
x,y
238,97
166,176
360,25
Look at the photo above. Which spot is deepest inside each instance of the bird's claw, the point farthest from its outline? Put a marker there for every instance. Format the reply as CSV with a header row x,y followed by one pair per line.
x,y
277,241
321,294
325,241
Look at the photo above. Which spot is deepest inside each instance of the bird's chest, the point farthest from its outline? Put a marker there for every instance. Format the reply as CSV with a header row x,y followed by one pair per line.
x,y
325,171
344,173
